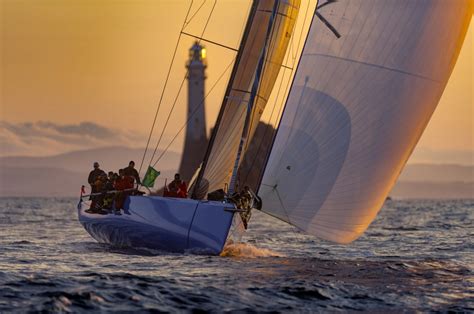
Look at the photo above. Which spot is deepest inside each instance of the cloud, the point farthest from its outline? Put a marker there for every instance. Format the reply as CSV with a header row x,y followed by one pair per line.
x,y
83,128
47,138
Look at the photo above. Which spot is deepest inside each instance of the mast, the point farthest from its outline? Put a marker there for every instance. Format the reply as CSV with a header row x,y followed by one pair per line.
x,y
253,10
250,105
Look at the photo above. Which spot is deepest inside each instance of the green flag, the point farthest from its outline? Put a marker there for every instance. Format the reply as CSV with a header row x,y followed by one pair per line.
x,y
150,177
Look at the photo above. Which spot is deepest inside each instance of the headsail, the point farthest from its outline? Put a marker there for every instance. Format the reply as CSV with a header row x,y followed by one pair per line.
x,y
217,169
357,108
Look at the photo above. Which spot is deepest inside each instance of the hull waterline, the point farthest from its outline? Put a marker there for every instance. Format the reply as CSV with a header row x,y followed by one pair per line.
x,y
167,224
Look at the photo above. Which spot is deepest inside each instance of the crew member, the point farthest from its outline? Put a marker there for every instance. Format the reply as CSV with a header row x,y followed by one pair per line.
x,y
109,187
132,172
177,187
94,181
123,185
246,200
94,175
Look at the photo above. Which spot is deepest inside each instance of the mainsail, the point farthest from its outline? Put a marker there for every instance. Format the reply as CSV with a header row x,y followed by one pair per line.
x,y
356,109
221,156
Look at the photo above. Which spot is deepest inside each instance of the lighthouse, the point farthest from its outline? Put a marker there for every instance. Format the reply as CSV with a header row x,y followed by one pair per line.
x,y
195,142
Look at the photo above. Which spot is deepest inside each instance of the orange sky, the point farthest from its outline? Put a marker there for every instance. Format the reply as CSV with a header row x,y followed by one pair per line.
x,y
105,62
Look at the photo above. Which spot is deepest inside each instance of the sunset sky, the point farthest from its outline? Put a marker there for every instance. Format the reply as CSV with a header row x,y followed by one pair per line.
x,y
104,63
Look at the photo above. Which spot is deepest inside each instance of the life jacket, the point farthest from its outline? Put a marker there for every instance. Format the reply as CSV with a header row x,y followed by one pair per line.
x,y
182,190
176,189
124,183
128,182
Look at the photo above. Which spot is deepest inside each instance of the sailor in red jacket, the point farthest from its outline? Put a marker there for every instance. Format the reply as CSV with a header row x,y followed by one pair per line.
x,y
122,183
177,187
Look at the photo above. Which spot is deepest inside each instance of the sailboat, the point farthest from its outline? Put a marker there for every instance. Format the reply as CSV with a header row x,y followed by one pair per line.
x,y
368,79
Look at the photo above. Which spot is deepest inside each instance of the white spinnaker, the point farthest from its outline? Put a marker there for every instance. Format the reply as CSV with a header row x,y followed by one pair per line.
x,y
357,108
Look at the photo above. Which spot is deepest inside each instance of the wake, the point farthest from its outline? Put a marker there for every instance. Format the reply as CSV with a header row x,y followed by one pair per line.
x,y
246,250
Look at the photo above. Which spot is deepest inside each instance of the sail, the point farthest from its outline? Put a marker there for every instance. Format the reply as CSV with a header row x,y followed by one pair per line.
x,y
217,169
356,109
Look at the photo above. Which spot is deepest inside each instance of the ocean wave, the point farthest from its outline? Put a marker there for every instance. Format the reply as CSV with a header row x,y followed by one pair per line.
x,y
404,263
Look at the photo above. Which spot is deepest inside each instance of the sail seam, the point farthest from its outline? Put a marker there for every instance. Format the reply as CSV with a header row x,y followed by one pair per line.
x,y
374,65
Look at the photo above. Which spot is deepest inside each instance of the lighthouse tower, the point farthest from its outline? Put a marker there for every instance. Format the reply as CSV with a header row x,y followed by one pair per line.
x,y
195,142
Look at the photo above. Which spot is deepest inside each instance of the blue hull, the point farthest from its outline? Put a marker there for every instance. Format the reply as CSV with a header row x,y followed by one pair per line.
x,y
168,224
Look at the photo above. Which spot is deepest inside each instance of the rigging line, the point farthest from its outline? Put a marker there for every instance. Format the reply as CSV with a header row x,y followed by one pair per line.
x,y
275,188
179,91
192,114
191,18
180,88
209,41
168,119
325,4
163,91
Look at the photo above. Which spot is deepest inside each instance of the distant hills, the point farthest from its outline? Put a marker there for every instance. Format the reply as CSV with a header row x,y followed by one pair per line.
x,y
433,190
45,181
62,175
437,173
428,181
112,158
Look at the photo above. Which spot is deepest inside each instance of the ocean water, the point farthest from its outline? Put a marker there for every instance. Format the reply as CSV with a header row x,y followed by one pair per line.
x,y
416,256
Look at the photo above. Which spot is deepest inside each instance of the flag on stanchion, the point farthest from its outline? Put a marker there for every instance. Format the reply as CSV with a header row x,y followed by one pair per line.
x,y
150,177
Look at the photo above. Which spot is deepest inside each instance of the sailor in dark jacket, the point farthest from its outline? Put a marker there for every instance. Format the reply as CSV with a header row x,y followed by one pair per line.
x,y
94,175
94,180
130,171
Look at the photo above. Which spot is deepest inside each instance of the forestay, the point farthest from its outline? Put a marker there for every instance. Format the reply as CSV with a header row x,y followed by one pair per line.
x,y
357,108
221,157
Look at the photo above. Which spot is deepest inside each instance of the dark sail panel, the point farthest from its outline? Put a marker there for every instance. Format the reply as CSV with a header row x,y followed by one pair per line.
x,y
221,157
